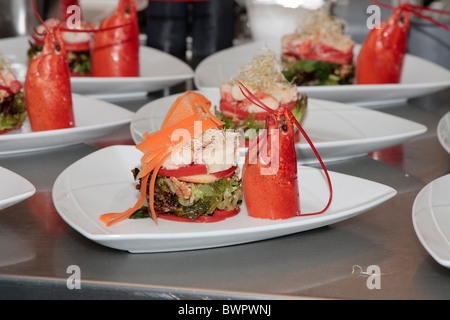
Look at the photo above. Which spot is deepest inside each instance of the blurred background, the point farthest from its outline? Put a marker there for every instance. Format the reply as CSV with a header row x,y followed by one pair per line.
x,y
193,30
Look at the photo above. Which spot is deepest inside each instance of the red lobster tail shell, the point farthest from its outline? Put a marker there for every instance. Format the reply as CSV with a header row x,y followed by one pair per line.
x,y
380,59
116,50
269,178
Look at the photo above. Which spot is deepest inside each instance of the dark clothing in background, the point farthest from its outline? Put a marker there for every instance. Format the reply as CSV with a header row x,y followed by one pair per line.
x,y
209,23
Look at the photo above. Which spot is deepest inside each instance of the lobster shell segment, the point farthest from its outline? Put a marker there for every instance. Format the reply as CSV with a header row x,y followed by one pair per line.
x,y
269,178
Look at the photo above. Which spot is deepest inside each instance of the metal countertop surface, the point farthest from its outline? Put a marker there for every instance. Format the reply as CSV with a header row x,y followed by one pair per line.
x,y
37,246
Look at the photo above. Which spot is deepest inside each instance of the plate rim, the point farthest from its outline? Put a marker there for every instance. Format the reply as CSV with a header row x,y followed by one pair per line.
x,y
347,88
444,118
418,230
187,74
113,124
421,129
28,189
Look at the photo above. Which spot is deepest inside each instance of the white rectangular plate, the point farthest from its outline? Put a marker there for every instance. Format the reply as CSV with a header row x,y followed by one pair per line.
x,y
102,182
13,188
431,219
338,130
443,131
93,119
419,77
158,70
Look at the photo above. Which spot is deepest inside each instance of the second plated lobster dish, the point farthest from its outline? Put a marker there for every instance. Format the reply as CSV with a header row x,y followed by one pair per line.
x,y
318,52
263,77
13,111
77,45
109,50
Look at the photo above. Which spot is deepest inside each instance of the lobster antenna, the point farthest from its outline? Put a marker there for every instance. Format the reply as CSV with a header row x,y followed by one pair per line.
x,y
250,96
421,15
413,9
96,30
291,116
39,16
58,9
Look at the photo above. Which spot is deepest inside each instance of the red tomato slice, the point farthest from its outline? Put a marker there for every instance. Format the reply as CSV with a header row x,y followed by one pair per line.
x,y
322,52
7,89
225,173
195,169
190,170
219,215
232,110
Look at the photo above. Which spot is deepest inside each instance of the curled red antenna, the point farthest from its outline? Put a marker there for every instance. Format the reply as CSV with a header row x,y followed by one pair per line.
x,y
96,30
415,9
322,164
39,16
72,30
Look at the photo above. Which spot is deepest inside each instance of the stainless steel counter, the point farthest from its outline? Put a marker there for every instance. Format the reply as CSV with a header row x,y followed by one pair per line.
x,y
37,246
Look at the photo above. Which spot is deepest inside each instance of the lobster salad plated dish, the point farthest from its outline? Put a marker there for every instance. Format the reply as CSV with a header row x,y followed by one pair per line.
x,y
77,45
194,180
13,111
318,52
263,78
110,49
203,190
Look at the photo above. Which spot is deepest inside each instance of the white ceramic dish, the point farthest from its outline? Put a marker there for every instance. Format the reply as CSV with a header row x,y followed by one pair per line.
x,y
97,10
93,119
419,77
102,182
13,188
431,219
443,131
338,130
158,70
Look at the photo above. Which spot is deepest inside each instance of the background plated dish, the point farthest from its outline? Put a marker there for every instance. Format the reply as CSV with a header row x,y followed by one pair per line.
x,y
338,130
431,219
443,131
13,188
158,70
93,119
97,10
419,77
102,182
